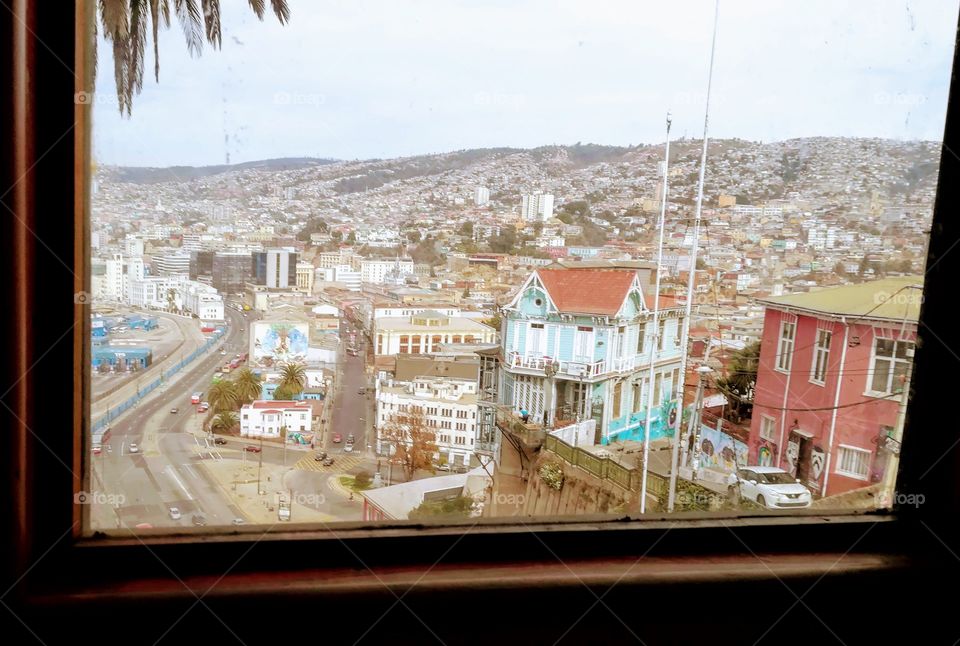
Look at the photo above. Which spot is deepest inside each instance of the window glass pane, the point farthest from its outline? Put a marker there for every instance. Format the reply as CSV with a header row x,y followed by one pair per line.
x,y
488,209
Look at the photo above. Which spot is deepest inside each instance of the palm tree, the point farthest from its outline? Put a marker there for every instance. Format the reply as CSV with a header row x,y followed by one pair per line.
x,y
293,378
223,396
247,385
125,22
224,421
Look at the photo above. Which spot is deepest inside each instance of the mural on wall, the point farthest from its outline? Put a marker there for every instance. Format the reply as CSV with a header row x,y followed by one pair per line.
x,y
817,459
278,343
720,451
765,457
793,456
301,438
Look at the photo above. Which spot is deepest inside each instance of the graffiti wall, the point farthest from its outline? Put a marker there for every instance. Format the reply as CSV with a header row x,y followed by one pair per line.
x,y
276,343
721,451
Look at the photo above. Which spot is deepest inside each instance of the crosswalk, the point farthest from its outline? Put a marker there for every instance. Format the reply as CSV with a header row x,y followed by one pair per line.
x,y
341,463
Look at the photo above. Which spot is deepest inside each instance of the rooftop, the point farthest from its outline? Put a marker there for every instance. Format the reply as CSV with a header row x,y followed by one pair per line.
x,y
893,299
587,291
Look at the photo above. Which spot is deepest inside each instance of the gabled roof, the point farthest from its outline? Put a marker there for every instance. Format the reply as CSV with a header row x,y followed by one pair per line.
x,y
587,291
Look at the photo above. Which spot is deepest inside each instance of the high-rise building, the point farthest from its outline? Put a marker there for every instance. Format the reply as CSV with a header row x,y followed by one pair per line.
x,y
537,207
231,271
171,264
201,265
481,196
305,276
274,268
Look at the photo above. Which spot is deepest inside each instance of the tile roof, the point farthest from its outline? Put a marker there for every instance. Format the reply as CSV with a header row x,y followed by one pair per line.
x,y
587,291
890,299
270,403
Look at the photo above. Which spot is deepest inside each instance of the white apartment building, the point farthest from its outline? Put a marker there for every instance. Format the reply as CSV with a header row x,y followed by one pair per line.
x,y
422,333
113,278
155,292
171,264
382,311
447,406
376,271
265,418
202,299
537,207
481,196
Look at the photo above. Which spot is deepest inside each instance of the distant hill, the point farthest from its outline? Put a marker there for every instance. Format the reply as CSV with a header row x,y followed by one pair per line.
x,y
146,175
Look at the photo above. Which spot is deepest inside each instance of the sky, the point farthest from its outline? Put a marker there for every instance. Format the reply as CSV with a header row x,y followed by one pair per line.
x,y
390,78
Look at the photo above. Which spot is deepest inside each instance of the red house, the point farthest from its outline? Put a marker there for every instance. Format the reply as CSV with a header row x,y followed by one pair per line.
x,y
833,366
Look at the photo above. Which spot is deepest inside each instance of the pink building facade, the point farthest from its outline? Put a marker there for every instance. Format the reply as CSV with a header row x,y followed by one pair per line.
x,y
829,385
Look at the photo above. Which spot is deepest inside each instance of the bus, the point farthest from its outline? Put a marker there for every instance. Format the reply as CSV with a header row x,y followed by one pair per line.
x,y
196,397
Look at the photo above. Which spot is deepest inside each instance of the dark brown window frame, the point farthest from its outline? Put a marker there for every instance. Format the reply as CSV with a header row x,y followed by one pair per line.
x,y
43,141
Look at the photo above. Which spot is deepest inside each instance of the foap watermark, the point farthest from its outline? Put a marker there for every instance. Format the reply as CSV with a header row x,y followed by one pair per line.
x,y
899,98
903,297
900,499
299,98
98,498
510,499
82,298
96,98
309,499
500,100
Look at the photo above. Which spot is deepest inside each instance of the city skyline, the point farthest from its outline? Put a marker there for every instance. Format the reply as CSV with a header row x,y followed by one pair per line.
x,y
377,88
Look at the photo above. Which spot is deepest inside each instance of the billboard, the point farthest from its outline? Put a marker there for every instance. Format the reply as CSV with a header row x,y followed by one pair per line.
x,y
279,342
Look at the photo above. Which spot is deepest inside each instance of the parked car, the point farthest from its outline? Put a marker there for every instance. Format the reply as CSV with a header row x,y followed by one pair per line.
x,y
175,513
199,520
219,440
328,461
252,448
174,411
443,467
97,450
133,448
770,487
362,391
238,521
337,438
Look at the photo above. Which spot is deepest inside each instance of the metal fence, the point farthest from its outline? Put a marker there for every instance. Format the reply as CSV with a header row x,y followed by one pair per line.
x,y
629,478
114,412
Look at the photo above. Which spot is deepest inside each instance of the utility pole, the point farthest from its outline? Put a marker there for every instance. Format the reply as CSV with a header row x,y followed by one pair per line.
x,y
691,279
654,345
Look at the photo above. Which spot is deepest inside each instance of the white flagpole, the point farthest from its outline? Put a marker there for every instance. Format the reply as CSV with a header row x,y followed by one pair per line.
x,y
691,281
656,329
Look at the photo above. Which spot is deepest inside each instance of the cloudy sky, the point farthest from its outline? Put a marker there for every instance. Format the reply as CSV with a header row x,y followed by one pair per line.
x,y
388,78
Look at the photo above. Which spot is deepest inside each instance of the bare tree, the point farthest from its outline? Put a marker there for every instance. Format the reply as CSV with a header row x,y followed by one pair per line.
x,y
413,442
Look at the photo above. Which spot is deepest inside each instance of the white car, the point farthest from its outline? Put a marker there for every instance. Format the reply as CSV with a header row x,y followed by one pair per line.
x,y
134,448
348,447
770,487
175,513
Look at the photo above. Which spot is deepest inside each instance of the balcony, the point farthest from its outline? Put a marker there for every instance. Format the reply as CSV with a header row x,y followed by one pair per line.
x,y
530,434
567,369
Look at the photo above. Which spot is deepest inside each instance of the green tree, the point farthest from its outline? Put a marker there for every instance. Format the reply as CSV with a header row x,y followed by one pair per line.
x,y
293,379
412,441
449,509
504,241
466,229
223,396
225,421
125,24
248,385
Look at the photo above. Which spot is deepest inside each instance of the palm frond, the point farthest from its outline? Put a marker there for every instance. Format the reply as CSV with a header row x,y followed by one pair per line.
x,y
191,20
211,21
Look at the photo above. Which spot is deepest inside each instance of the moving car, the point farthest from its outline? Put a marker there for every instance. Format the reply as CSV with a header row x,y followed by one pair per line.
x,y
362,391
219,440
238,521
770,487
203,408
175,513
134,448
174,411
319,457
350,439
348,447
96,449
252,448
195,398
337,438
328,461
199,520
443,467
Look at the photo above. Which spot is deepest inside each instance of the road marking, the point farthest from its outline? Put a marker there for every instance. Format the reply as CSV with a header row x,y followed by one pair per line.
x,y
189,469
171,472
